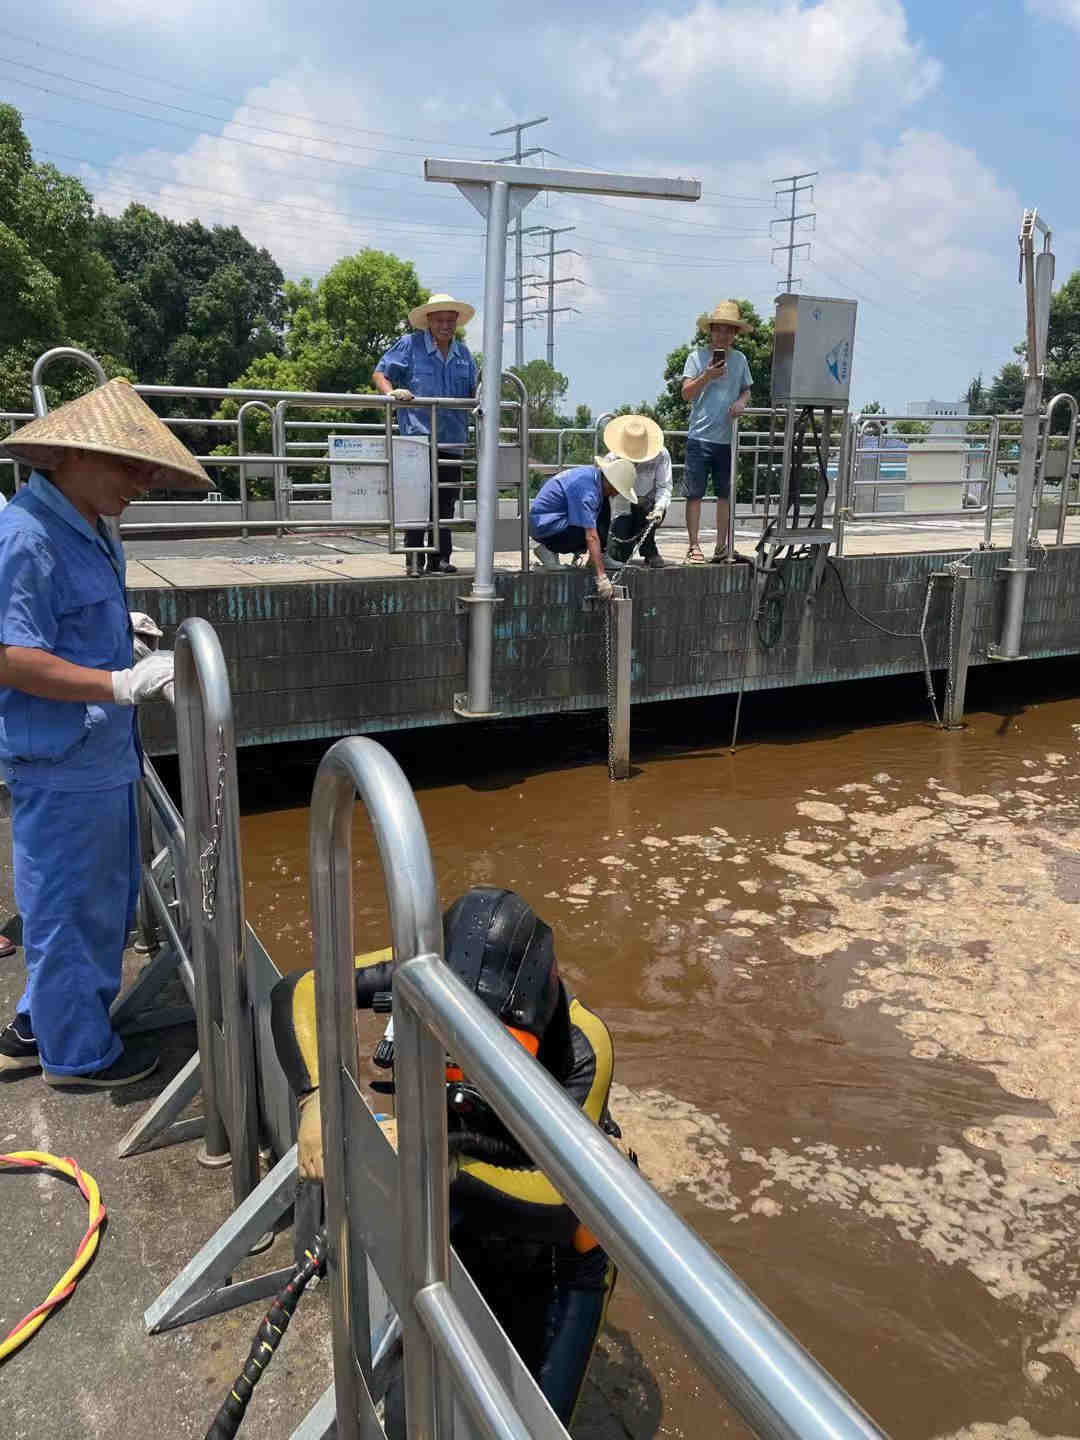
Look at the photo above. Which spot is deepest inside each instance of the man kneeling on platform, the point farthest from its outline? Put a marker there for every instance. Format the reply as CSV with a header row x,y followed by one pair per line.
x,y
544,1275
571,514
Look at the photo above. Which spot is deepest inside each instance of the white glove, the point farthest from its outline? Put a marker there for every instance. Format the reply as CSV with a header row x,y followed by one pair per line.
x,y
655,515
402,394
309,1138
604,588
146,630
146,680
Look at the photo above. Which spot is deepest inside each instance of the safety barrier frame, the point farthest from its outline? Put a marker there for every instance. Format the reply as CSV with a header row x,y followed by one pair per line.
x,y
769,1378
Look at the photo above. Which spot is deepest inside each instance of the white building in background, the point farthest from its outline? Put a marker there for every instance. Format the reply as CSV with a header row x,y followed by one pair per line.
x,y
947,417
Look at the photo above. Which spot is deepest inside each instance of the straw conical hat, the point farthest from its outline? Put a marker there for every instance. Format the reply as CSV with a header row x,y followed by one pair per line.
x,y
112,420
726,313
418,318
635,436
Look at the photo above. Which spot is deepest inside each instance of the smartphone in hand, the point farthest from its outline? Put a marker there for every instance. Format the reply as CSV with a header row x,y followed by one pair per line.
x,y
719,355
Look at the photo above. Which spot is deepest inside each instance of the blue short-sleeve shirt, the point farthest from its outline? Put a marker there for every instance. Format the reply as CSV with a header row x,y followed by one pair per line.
x,y
62,590
416,363
572,498
709,418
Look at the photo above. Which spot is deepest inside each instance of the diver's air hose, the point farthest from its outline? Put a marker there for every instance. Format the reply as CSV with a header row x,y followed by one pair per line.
x,y
267,1338
39,1160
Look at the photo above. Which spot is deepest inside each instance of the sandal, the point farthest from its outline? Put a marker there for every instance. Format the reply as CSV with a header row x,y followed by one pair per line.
x,y
695,556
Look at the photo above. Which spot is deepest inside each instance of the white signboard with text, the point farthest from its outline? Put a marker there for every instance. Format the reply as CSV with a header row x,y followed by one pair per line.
x,y
359,492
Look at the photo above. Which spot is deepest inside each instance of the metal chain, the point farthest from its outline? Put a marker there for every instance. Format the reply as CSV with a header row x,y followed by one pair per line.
x,y
611,678
210,857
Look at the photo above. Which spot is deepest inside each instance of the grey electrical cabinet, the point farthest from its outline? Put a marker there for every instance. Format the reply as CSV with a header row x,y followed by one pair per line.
x,y
812,348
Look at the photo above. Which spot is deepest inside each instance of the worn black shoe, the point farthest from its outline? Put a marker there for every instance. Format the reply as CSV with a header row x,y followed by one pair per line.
x,y
441,567
137,1061
18,1050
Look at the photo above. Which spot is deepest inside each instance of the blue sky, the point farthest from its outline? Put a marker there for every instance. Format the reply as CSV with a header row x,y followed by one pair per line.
x,y
931,126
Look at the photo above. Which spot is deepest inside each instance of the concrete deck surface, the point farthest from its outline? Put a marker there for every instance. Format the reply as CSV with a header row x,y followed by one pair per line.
x,y
269,559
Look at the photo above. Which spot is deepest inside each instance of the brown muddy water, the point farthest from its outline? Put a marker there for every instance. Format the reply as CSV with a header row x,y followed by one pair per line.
x,y
842,972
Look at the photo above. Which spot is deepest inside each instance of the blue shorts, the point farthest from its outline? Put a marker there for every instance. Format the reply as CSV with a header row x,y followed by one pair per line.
x,y
704,459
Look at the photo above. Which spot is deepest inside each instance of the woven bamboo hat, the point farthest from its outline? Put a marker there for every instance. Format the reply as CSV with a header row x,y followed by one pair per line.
x,y
111,420
418,318
635,436
726,313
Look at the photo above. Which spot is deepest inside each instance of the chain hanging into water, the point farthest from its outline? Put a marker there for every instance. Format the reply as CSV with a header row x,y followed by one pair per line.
x,y
210,857
612,683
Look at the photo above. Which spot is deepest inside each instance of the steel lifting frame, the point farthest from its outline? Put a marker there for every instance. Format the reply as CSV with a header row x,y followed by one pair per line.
x,y
500,192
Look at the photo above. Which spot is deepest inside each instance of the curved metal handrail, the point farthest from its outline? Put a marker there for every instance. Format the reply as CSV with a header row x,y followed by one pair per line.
x,y
360,767
240,450
204,725
43,362
1064,398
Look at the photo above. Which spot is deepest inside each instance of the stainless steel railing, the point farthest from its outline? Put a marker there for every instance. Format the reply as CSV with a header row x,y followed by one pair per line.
x,y
770,1379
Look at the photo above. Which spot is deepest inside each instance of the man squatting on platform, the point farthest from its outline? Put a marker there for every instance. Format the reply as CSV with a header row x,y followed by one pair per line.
x,y
69,748
571,513
544,1275
716,382
637,438
429,361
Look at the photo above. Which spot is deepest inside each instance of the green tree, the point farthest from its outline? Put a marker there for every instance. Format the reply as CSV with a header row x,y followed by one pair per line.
x,y
57,287
875,407
200,304
335,331
1006,393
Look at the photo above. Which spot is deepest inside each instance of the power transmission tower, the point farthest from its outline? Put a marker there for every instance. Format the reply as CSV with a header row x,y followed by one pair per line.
x,y
517,157
551,309
794,189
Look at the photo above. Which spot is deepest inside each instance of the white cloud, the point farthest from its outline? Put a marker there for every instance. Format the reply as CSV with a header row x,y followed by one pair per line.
x,y
1067,11
295,172
825,56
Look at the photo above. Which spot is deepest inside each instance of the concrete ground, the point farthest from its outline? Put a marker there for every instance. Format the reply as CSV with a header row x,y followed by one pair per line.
x,y
269,559
92,1371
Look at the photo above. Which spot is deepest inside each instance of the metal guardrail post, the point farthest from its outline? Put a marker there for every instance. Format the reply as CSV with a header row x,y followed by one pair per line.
x,y
43,362
207,756
281,469
241,449
1070,449
361,767
991,489
523,473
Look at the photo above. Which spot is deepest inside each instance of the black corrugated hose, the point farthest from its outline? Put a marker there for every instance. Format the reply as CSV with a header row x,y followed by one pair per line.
x,y
267,1338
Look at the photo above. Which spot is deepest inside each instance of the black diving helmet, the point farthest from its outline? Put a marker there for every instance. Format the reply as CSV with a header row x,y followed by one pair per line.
x,y
499,947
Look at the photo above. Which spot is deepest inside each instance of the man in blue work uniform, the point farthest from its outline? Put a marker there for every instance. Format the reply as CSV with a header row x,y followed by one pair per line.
x,y
571,513
429,361
68,743
717,384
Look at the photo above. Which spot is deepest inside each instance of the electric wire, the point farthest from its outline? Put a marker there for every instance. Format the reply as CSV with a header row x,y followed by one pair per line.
x,y
186,110
65,1286
267,1338
173,84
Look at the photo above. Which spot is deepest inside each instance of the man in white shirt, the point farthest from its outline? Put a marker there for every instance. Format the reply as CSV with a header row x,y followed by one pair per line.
x,y
637,438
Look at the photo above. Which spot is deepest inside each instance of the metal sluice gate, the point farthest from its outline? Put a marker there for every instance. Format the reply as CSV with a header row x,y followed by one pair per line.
x,y
398,1291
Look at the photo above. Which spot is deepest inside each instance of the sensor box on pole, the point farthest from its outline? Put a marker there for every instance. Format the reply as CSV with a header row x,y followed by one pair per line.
x,y
812,349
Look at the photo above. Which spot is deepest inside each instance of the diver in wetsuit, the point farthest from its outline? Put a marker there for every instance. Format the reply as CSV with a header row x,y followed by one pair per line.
x,y
545,1277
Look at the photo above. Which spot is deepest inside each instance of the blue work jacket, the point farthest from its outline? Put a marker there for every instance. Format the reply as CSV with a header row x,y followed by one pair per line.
x,y
415,363
62,590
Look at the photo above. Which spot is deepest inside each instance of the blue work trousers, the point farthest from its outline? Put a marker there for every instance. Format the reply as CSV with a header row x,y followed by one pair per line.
x,y
76,859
